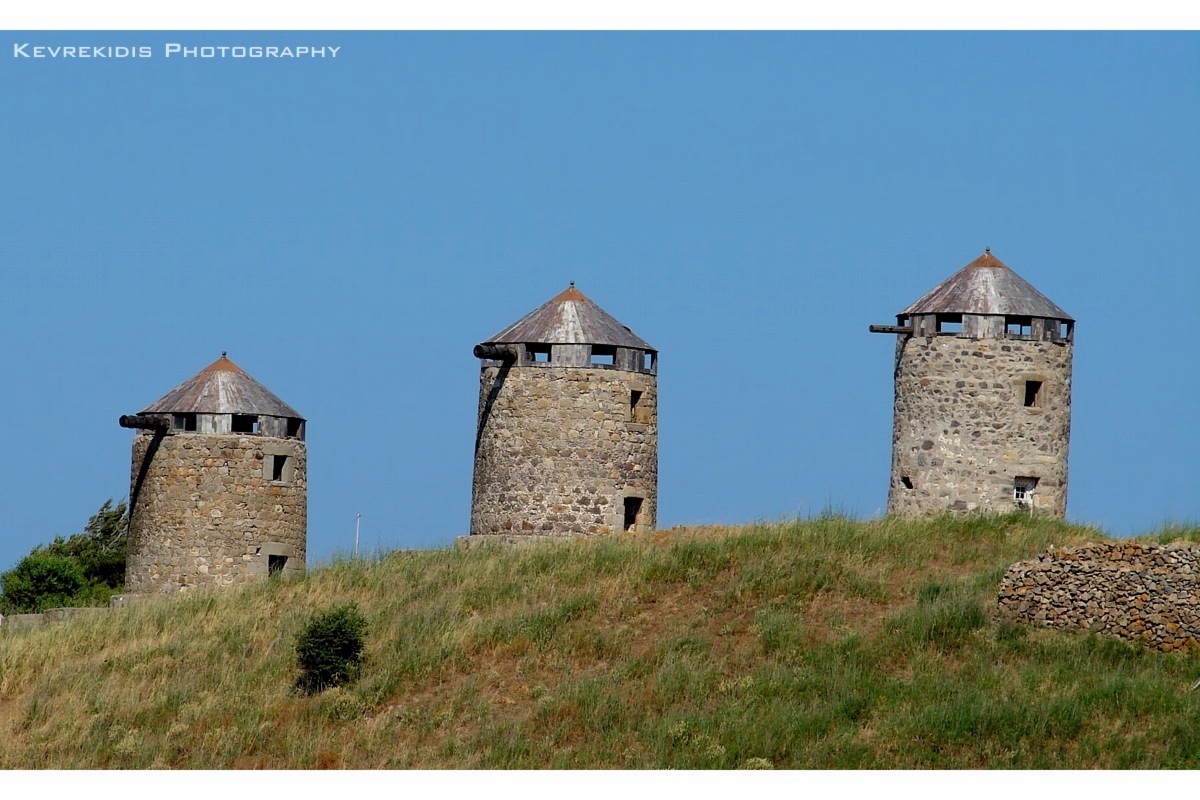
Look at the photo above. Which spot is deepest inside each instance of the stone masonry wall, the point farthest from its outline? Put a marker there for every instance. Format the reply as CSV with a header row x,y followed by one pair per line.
x,y
207,512
961,432
1143,593
558,450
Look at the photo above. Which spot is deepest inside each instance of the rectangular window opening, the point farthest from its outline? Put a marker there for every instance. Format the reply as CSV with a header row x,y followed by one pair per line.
x,y
1018,327
538,353
1023,487
183,422
635,397
647,362
603,355
275,565
1033,392
1064,330
633,510
279,468
295,427
244,423
949,323
906,481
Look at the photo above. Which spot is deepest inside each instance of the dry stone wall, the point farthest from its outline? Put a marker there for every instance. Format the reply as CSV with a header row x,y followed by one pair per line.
x,y
208,511
962,433
1143,593
560,449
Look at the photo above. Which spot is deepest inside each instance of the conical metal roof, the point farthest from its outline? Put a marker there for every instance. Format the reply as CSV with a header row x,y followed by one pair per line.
x,y
986,286
221,388
569,318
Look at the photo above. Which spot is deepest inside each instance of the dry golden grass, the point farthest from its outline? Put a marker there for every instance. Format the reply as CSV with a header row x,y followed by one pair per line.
x,y
826,643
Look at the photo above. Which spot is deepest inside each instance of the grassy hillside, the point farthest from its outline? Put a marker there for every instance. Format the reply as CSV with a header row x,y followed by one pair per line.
x,y
826,643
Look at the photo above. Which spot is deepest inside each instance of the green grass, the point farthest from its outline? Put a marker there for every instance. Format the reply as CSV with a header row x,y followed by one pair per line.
x,y
826,643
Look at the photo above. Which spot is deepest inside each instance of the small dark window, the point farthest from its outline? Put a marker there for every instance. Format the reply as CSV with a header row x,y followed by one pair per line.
x,y
245,423
1033,392
538,353
183,422
278,467
603,355
635,397
907,481
633,509
275,566
295,428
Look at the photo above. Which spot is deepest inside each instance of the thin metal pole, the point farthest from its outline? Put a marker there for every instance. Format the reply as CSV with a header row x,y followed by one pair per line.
x,y
357,522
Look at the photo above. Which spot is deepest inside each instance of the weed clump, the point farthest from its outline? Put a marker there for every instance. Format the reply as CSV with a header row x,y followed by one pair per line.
x,y
329,649
944,615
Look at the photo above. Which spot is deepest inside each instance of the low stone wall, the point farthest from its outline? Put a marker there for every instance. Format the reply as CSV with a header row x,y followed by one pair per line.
x,y
1144,593
50,615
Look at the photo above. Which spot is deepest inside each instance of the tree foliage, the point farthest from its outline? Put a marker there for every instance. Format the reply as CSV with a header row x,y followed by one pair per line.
x,y
83,569
100,549
41,581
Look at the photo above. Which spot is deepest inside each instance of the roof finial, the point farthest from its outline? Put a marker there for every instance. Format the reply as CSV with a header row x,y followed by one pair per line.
x,y
572,284
987,249
222,354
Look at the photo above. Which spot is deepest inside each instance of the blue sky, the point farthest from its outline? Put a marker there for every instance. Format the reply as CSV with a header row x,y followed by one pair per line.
x,y
348,228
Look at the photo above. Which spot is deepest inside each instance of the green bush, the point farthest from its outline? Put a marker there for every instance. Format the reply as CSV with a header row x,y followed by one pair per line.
x,y
41,581
329,648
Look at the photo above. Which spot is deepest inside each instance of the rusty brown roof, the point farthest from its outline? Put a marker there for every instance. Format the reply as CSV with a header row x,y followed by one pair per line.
x,y
986,286
221,388
569,318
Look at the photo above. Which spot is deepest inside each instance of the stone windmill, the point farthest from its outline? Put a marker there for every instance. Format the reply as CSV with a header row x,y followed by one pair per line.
x,y
567,434
982,397
219,492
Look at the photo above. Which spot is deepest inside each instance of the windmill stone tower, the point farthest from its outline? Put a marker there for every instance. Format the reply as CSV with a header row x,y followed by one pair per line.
x,y
983,397
219,492
567,436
